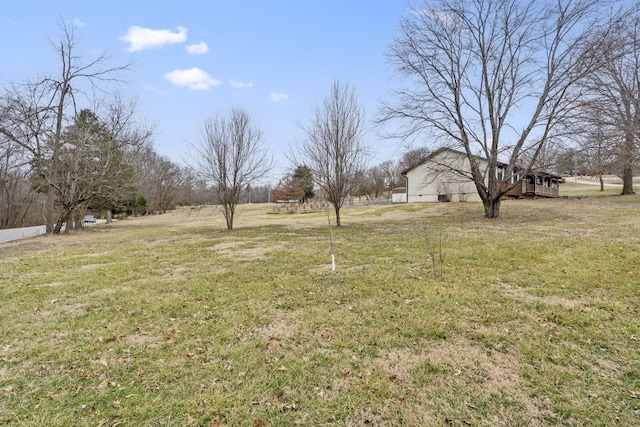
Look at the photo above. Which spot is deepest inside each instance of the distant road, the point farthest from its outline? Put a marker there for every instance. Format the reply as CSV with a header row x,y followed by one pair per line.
x,y
589,182
21,233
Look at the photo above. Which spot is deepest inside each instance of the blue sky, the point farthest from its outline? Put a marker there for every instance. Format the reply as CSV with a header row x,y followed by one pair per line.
x,y
193,59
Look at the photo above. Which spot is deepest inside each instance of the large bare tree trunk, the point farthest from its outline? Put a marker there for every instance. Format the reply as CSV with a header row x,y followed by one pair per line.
x,y
62,220
50,210
627,163
627,180
492,208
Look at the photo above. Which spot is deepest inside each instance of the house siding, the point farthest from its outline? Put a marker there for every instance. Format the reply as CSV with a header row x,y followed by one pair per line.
x,y
433,179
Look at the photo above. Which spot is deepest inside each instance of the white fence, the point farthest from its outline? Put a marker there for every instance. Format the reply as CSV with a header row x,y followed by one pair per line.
x,y
21,233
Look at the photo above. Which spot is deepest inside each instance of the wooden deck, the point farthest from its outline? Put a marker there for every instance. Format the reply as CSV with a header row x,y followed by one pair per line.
x,y
533,190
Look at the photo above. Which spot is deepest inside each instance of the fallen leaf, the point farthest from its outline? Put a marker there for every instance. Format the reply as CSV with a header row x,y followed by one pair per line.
x,y
290,406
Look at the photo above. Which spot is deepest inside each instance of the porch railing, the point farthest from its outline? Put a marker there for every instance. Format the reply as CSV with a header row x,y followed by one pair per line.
x,y
541,190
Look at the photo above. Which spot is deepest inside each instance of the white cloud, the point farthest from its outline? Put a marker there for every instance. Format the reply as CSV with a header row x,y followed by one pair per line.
x,y
193,78
279,97
143,38
197,49
240,85
77,23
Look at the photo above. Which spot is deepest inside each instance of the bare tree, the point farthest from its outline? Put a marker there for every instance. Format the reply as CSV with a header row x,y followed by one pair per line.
x,y
333,149
158,179
35,114
410,159
230,158
372,182
493,79
612,101
17,199
598,157
390,172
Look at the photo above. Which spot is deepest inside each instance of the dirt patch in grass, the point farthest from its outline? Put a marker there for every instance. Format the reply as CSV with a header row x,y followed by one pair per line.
x,y
490,373
399,363
56,310
284,326
457,367
91,255
243,250
142,340
92,266
51,284
487,375
521,294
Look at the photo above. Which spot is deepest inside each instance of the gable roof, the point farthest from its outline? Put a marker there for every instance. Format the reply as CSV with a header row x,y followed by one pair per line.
x,y
460,153
437,153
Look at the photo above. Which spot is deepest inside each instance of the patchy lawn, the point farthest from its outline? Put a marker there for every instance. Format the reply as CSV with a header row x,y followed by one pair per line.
x,y
173,321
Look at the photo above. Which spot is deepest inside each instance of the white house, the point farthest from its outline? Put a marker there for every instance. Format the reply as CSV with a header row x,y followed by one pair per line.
x,y
436,179
445,176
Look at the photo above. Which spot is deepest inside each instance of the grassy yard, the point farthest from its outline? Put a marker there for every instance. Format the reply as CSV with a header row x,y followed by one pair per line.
x,y
530,320
571,189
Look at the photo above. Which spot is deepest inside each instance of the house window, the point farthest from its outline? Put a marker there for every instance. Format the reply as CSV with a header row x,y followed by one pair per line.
x,y
500,173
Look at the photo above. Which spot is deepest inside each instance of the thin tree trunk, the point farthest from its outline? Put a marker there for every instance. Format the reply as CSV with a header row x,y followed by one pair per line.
x,y
601,182
337,217
228,215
